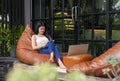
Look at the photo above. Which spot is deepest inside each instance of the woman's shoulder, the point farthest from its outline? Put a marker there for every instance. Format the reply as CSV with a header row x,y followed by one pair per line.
x,y
34,36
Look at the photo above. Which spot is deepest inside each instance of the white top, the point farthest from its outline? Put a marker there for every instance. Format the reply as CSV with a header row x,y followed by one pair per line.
x,y
41,40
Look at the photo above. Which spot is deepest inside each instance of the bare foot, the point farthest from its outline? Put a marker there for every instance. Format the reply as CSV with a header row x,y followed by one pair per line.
x,y
51,60
61,65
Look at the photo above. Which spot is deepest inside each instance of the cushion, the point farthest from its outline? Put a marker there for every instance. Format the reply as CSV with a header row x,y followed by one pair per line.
x,y
70,61
24,51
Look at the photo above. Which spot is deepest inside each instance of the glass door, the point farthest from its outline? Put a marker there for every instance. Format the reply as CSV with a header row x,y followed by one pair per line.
x,y
65,20
80,21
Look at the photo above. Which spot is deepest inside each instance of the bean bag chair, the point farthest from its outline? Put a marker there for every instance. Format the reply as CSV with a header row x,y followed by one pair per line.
x,y
70,61
95,66
26,54
24,51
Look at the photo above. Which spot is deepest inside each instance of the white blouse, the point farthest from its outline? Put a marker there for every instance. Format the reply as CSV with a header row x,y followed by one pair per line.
x,y
41,40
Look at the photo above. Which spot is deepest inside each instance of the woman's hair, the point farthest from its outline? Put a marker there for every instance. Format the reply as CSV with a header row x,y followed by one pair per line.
x,y
39,24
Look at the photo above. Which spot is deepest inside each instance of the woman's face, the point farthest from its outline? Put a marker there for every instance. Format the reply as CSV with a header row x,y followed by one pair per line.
x,y
41,30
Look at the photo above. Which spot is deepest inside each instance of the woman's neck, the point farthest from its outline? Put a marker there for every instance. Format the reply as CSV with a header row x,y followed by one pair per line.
x,y
41,35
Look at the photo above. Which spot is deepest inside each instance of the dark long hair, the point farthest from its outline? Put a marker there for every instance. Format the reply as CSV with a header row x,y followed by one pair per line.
x,y
39,24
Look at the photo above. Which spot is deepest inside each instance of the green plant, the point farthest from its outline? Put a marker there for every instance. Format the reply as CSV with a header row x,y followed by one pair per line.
x,y
115,70
10,36
76,76
42,72
38,72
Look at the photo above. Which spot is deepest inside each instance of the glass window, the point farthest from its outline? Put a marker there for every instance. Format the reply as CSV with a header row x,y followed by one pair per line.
x,y
116,34
58,8
0,7
67,7
58,29
99,48
100,21
85,34
39,9
100,6
115,19
65,31
86,6
115,26
99,34
85,27
114,4
0,12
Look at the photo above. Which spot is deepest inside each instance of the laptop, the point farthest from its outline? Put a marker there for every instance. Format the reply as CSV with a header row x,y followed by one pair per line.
x,y
77,49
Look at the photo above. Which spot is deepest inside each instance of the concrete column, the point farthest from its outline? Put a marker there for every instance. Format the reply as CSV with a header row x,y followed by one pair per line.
x,y
27,11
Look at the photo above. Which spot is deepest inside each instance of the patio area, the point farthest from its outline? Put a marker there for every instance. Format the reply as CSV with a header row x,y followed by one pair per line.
x,y
7,63
94,22
62,75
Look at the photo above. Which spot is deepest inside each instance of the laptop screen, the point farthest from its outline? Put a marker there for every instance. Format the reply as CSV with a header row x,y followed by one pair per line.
x,y
78,49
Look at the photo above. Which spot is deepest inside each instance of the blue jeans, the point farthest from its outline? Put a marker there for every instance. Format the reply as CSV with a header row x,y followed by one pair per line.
x,y
51,47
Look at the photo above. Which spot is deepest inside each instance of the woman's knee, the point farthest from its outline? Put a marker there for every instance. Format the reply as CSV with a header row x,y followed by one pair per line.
x,y
56,47
51,42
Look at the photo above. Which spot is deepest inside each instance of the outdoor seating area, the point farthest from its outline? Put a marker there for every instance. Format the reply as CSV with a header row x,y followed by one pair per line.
x,y
85,63
25,52
26,26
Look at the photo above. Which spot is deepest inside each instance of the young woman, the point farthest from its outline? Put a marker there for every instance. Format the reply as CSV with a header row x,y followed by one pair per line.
x,y
42,42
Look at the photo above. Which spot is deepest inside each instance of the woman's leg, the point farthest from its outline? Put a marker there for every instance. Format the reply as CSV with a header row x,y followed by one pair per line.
x,y
58,56
51,50
44,50
54,50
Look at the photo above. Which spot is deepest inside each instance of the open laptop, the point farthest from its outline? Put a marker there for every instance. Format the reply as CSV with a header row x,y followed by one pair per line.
x,y
77,49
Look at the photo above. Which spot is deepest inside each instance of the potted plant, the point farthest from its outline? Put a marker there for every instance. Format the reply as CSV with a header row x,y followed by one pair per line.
x,y
10,37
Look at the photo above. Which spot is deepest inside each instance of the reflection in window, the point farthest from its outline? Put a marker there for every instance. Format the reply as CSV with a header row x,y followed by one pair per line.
x,y
99,48
99,34
115,4
85,34
115,34
115,19
100,21
66,31
58,7
100,5
86,6
0,13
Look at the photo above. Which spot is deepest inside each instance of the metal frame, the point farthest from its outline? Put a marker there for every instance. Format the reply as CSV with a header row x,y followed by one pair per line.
x,y
107,41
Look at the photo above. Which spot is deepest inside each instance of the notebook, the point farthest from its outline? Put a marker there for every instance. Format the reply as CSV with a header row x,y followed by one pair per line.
x,y
77,49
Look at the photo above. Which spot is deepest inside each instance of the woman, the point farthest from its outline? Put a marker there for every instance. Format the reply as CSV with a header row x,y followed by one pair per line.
x,y
43,43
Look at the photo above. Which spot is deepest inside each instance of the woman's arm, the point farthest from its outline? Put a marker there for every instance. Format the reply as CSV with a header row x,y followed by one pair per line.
x,y
34,45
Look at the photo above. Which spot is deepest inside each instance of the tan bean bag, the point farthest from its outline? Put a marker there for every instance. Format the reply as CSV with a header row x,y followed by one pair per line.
x,y
95,66
24,51
26,54
70,61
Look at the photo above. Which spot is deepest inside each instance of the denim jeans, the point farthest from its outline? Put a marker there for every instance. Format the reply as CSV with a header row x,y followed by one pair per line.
x,y
51,47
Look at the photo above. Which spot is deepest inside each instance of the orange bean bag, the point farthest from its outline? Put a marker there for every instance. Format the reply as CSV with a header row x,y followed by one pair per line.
x,y
24,51
70,61
95,66
26,54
